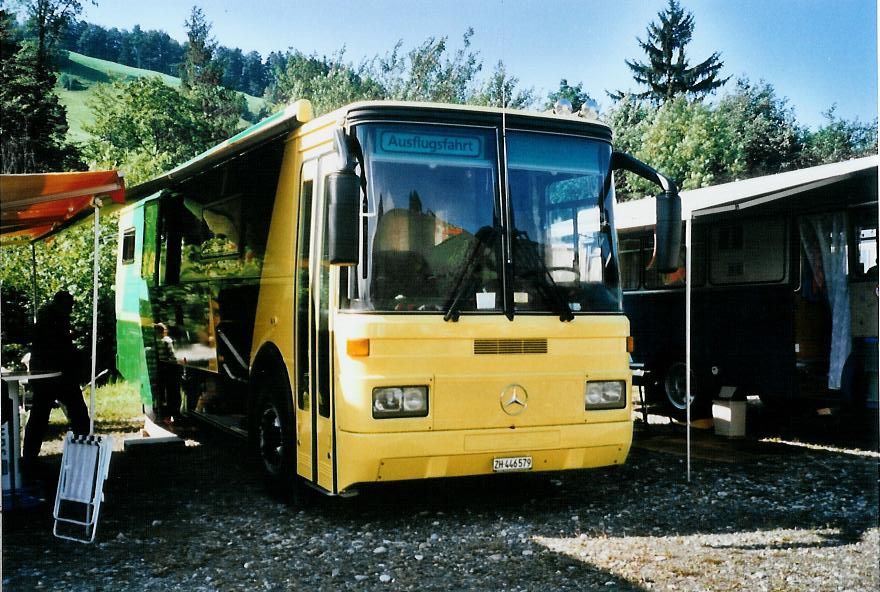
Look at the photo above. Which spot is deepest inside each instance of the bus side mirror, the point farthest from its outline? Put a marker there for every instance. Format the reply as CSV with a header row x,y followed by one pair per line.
x,y
343,217
343,206
667,237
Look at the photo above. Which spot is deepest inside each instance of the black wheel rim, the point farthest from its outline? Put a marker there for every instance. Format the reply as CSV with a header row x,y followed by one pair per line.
x,y
271,439
675,386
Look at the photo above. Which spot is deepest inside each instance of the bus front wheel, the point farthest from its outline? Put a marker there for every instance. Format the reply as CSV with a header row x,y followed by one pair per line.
x,y
274,438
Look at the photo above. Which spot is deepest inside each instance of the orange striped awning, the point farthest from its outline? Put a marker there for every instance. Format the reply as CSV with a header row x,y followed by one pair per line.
x,y
31,206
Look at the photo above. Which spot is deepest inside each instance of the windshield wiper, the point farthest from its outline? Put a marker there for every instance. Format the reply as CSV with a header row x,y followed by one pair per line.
x,y
549,289
484,237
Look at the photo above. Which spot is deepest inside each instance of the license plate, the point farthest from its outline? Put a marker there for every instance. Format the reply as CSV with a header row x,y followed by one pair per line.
x,y
512,463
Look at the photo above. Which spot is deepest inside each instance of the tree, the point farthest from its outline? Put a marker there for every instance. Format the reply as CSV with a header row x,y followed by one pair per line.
x,y
199,67
668,72
763,127
687,141
839,139
500,90
327,82
94,41
145,127
64,262
427,73
33,125
254,76
201,78
575,94
49,19
232,62
629,119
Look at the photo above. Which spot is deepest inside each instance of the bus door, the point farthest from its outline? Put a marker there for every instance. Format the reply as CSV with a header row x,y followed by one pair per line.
x,y
304,409
314,425
322,356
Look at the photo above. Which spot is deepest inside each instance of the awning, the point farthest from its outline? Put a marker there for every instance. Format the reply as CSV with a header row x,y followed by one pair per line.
x,y
32,206
748,193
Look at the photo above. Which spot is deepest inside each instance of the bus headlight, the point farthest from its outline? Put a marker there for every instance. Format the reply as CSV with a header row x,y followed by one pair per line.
x,y
400,401
605,394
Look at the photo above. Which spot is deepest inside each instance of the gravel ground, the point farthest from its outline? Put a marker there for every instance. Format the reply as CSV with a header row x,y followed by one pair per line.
x,y
197,518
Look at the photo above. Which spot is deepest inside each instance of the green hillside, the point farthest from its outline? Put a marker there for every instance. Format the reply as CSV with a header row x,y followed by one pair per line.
x,y
87,72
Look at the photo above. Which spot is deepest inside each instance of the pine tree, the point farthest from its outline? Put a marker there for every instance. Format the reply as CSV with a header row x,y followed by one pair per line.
x,y
668,72
199,66
33,125
201,77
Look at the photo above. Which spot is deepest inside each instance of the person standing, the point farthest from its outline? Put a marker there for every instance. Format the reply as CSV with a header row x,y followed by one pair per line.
x,y
169,375
53,351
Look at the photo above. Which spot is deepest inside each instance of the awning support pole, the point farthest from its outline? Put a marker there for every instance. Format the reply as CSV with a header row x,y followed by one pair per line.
x,y
34,282
95,272
687,332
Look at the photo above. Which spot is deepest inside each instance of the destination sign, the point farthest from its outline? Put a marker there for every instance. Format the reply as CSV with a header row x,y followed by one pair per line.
x,y
462,146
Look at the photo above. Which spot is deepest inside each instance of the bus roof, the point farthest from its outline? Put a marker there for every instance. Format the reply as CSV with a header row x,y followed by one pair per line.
x,y
739,195
300,113
433,111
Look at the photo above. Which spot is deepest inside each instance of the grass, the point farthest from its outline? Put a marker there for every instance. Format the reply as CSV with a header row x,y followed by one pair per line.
x,y
115,403
89,72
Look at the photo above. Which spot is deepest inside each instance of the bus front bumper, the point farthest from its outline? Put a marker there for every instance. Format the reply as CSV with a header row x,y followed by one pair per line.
x,y
395,456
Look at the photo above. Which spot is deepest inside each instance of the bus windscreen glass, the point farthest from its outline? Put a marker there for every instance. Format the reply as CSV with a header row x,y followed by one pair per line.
x,y
431,189
433,225
561,249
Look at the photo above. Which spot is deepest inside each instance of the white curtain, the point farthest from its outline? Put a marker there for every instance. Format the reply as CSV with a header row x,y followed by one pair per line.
x,y
823,237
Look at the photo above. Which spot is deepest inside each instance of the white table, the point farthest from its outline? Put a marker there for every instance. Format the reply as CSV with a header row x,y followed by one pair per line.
x,y
14,380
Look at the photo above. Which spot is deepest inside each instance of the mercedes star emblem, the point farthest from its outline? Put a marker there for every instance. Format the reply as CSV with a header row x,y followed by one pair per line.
x,y
514,399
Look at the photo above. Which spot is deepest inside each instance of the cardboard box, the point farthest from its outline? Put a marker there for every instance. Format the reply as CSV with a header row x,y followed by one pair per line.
x,y
730,418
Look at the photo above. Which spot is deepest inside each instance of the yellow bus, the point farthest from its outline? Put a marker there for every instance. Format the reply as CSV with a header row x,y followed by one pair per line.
x,y
391,291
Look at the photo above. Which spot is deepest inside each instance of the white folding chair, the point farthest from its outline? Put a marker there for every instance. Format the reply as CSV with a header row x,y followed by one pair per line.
x,y
85,464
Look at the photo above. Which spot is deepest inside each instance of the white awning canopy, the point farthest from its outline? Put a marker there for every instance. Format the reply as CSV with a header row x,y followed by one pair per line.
x,y
748,193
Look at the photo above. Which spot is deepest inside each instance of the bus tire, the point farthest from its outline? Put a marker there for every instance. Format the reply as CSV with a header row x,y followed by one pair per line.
x,y
674,387
274,436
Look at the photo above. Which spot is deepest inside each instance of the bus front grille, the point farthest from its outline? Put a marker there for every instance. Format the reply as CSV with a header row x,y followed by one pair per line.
x,y
510,346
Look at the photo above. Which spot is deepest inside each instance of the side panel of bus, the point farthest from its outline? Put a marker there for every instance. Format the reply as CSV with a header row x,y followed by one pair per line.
x,y
765,330
292,327
135,353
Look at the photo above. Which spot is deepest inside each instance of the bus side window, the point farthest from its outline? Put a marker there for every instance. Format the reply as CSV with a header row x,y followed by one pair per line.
x,y
654,280
677,279
303,245
323,321
128,246
148,257
169,243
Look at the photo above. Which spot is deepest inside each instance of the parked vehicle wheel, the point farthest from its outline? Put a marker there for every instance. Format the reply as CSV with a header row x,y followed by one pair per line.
x,y
274,437
675,388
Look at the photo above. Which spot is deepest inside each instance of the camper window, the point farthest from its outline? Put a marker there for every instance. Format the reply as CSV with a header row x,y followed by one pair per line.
x,y
752,251
866,235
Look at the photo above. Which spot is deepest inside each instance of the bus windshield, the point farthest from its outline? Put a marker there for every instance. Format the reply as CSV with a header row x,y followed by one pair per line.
x,y
562,251
431,189
433,229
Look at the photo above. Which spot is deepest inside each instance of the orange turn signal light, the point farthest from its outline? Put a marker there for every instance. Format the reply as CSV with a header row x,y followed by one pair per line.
x,y
630,344
358,348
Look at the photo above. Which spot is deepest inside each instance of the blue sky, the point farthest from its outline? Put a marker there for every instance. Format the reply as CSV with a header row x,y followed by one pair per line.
x,y
815,52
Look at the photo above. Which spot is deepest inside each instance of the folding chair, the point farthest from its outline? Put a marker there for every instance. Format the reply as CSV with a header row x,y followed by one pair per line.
x,y
85,464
